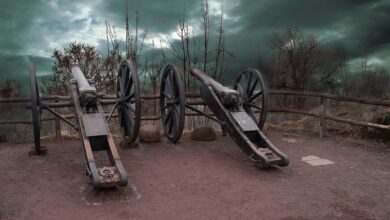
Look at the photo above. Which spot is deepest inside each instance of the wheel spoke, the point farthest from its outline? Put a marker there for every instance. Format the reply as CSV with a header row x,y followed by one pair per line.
x,y
177,109
252,88
129,81
128,123
171,83
175,87
253,115
168,86
255,95
170,125
132,90
166,95
121,81
248,83
131,93
240,89
128,106
131,120
165,107
174,120
244,81
255,106
168,116
122,118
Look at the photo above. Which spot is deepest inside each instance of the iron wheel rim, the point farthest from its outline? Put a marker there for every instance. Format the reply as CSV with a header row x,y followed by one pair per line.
x,y
36,109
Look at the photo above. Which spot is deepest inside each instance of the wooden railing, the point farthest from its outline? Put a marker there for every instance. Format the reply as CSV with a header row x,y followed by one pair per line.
x,y
322,115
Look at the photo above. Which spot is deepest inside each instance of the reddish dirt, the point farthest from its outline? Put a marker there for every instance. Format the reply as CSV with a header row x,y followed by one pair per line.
x,y
200,180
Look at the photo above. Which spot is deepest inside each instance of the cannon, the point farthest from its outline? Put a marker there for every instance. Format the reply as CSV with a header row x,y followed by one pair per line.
x,y
241,111
92,122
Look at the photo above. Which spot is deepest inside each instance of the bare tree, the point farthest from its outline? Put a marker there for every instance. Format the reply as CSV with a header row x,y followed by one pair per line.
x,y
191,53
113,59
152,70
344,74
300,63
219,51
134,46
93,65
363,63
10,88
184,35
206,32
373,81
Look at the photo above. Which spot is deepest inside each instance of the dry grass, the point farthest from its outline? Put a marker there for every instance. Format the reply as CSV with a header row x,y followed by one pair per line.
x,y
353,111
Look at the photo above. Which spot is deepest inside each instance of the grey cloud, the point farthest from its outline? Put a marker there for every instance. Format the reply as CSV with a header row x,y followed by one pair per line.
x,y
155,16
29,30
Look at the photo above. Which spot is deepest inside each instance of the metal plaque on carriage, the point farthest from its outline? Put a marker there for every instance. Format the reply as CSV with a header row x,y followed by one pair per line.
x,y
245,121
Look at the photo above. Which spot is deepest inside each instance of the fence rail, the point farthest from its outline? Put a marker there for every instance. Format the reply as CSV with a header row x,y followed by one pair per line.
x,y
323,116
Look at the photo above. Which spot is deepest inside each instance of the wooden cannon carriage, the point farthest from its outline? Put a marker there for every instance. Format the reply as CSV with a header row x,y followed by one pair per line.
x,y
91,122
240,111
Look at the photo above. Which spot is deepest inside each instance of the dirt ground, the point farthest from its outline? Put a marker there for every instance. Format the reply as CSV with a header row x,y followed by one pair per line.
x,y
201,180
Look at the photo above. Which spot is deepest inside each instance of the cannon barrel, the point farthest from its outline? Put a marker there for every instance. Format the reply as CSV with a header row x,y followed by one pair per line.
x,y
82,82
87,93
228,96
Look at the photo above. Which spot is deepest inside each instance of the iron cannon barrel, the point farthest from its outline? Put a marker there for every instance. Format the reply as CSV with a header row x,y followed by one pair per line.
x,y
87,92
82,82
228,96
203,77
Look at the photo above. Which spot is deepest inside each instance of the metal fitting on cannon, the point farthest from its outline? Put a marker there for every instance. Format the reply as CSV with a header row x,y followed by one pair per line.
x,y
230,99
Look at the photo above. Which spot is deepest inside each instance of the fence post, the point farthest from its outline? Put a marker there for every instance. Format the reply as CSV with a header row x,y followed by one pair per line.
x,y
58,128
57,122
322,118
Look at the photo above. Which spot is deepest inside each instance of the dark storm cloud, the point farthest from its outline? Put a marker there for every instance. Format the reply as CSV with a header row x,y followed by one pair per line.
x,y
371,30
347,25
16,67
16,19
308,14
30,30
155,16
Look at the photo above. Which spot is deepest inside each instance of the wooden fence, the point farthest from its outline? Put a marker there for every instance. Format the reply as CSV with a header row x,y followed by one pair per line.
x,y
323,116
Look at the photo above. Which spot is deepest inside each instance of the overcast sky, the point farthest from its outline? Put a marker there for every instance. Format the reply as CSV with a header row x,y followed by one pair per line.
x,y
30,30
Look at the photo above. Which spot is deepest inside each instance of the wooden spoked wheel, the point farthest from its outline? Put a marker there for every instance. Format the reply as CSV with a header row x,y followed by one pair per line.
x,y
172,103
129,101
254,94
